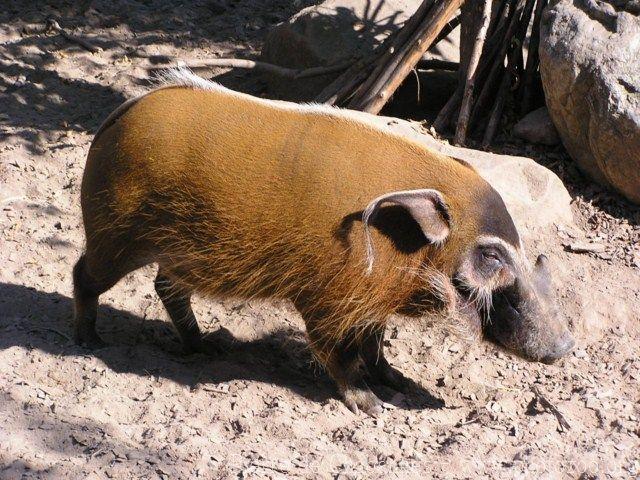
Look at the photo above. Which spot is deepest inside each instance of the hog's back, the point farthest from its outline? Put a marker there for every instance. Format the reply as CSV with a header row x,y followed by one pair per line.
x,y
254,184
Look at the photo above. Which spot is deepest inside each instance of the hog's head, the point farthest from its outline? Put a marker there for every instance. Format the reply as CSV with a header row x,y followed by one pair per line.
x,y
494,285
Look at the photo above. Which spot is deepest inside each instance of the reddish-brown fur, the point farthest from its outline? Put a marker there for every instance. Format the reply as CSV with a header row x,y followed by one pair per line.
x,y
235,196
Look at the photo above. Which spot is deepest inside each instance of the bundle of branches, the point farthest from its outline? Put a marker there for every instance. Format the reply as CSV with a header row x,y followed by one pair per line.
x,y
490,70
495,68
370,82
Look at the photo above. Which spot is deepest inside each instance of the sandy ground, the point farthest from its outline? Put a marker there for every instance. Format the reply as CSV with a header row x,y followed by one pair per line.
x,y
138,409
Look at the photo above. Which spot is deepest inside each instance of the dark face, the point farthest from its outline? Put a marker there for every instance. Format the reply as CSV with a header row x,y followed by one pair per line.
x,y
516,302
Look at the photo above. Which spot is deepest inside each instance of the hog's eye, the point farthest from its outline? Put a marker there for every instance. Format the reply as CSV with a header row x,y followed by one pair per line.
x,y
491,258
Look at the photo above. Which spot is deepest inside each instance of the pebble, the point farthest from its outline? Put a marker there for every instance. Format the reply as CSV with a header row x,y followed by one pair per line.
x,y
583,247
580,354
592,402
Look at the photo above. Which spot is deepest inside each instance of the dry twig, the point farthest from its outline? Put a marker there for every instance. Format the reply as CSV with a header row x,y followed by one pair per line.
x,y
291,73
435,64
390,74
546,404
471,73
368,83
533,60
52,24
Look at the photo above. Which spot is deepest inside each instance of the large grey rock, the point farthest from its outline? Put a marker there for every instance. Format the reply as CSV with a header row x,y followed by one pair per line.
x,y
332,32
590,65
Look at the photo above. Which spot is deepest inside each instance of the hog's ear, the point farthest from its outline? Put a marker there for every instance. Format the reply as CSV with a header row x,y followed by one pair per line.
x,y
426,206
542,276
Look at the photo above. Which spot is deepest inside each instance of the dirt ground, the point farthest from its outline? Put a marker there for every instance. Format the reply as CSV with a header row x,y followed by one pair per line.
x,y
139,409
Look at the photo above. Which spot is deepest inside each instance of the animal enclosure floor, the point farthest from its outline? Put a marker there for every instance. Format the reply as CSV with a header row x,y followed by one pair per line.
x,y
260,408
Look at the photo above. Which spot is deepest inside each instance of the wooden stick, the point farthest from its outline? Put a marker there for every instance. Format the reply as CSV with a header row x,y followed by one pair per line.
x,y
350,88
515,59
533,60
499,40
319,71
448,28
493,45
496,112
524,23
498,17
549,406
443,119
434,64
291,73
496,36
362,73
398,68
52,24
496,63
372,90
347,81
344,85
484,10
391,52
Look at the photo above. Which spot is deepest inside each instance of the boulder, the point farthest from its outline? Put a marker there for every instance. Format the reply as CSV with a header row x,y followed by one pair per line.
x,y
537,127
590,66
333,32
535,197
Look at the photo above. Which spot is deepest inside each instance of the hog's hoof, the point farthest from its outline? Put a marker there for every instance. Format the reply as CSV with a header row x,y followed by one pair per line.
x,y
88,339
358,400
390,377
212,344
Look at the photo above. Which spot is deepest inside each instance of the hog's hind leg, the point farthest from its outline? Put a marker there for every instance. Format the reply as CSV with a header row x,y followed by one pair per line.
x,y
176,299
91,278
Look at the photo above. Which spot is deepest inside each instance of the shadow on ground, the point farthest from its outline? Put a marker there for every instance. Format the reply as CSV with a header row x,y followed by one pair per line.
x,y
34,319
40,100
93,445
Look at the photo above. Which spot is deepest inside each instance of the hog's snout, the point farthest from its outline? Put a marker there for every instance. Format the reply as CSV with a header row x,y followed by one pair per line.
x,y
563,346
525,318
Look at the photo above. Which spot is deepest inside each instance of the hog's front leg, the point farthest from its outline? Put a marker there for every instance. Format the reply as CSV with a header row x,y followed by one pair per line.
x,y
381,372
344,364
341,359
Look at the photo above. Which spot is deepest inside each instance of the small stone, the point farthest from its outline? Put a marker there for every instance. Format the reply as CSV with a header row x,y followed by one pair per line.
x,y
583,247
537,127
135,455
592,403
